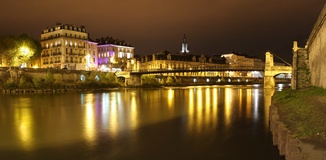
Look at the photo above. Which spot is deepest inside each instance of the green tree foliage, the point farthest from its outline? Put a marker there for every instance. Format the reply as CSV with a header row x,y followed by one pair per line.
x,y
19,49
169,81
58,82
49,80
95,80
10,84
25,83
149,81
38,83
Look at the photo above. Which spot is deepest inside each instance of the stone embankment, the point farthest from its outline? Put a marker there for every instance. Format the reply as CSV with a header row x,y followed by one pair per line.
x,y
289,146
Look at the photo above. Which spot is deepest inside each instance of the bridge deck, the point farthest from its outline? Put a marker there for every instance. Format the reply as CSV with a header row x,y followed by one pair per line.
x,y
198,70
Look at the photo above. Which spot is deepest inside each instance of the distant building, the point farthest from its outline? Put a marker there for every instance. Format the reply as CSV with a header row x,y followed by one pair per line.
x,y
167,61
236,59
184,45
67,46
115,55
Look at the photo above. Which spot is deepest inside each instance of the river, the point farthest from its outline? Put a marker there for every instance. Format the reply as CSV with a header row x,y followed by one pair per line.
x,y
195,122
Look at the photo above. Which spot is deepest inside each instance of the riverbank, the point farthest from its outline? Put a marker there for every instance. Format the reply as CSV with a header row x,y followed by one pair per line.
x,y
297,120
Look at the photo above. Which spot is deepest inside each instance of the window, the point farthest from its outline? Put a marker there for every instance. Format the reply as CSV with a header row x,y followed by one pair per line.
x,y
120,55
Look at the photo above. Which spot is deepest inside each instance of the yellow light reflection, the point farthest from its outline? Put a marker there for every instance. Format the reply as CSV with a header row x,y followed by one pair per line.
x,y
215,107
268,93
170,97
89,120
240,102
133,113
256,94
105,109
24,125
191,109
249,96
113,122
199,110
207,106
228,104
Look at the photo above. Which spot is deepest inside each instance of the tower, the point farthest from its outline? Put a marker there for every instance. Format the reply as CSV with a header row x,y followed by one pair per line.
x,y
184,47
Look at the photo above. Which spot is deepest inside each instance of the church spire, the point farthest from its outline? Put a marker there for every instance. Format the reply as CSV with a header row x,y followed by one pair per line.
x,y
184,47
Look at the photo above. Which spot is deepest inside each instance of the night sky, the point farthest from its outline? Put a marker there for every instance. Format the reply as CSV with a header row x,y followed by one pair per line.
x,y
211,26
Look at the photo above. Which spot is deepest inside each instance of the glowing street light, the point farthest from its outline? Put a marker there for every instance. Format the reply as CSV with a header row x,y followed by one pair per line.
x,y
24,50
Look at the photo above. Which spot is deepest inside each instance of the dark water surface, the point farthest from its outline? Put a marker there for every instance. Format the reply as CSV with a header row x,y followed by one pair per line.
x,y
200,122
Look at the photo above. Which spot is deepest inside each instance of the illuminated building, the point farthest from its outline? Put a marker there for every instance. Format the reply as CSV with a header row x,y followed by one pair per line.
x,y
167,61
236,59
115,55
65,46
92,56
184,46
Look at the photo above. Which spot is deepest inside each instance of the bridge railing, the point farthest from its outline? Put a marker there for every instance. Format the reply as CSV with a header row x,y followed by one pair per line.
x,y
224,68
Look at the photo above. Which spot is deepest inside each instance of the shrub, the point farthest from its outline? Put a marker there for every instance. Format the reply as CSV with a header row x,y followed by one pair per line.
x,y
10,84
150,81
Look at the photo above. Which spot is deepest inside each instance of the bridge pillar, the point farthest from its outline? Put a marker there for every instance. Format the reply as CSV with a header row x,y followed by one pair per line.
x,y
133,80
271,71
269,81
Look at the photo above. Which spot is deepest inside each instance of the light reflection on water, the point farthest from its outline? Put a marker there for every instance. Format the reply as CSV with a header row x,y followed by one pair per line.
x,y
125,116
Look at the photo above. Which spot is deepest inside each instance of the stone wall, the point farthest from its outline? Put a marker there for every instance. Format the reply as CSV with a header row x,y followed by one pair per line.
x,y
289,146
300,70
316,46
68,76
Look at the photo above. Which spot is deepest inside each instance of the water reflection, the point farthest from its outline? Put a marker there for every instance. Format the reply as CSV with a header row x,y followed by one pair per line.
x,y
89,119
121,122
24,123
228,102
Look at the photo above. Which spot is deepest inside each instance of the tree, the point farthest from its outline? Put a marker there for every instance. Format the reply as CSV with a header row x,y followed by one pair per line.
x,y
169,81
149,81
15,50
8,49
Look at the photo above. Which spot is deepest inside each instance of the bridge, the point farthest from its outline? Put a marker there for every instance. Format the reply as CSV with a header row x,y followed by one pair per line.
x,y
271,71
133,78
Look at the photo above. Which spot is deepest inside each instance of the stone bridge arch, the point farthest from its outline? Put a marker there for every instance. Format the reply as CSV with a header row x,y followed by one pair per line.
x,y
271,71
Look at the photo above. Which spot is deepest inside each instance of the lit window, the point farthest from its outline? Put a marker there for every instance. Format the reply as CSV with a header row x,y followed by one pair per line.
x,y
128,55
120,55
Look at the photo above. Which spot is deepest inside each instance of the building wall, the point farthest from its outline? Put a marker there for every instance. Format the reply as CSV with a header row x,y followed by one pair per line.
x,y
316,47
92,56
239,60
64,46
115,57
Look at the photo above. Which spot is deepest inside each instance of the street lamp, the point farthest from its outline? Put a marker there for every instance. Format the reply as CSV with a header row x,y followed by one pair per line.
x,y
24,52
